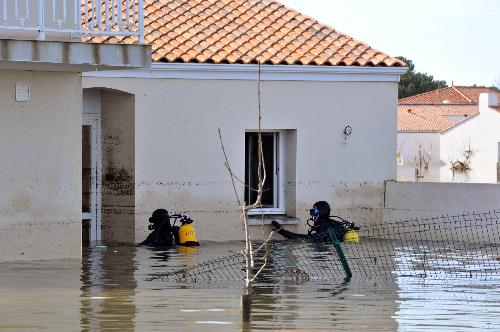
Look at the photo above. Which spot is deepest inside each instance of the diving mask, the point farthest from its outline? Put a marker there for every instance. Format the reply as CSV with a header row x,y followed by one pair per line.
x,y
314,212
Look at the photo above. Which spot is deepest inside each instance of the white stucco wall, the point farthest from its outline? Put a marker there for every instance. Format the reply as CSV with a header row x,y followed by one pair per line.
x,y
117,167
412,200
179,163
482,133
40,169
408,144
409,200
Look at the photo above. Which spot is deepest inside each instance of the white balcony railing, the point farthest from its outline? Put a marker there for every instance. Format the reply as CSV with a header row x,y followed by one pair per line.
x,y
75,17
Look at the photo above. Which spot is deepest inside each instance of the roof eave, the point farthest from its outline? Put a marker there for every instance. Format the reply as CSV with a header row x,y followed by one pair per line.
x,y
418,132
267,72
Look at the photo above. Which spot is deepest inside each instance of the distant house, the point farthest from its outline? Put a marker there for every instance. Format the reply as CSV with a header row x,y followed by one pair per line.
x,y
328,103
444,126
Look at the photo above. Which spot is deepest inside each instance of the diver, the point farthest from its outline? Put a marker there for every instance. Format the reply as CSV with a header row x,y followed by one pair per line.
x,y
165,234
162,232
323,226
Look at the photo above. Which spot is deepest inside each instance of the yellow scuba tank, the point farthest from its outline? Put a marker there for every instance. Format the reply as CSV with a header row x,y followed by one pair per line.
x,y
187,235
351,236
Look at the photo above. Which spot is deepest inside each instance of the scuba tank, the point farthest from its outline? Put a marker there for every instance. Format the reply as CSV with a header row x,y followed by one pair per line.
x,y
347,228
350,236
187,233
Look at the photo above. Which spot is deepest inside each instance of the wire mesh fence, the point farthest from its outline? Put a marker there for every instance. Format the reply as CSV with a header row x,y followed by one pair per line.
x,y
464,246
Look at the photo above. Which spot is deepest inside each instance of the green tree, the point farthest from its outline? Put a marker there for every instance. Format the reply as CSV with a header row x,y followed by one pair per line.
x,y
413,83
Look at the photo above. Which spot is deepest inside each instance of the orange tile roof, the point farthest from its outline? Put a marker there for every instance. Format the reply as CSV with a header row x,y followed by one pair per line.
x,y
246,31
448,95
433,111
473,92
432,118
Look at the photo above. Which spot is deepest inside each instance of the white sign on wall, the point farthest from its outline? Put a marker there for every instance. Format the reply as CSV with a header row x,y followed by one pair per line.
x,y
23,92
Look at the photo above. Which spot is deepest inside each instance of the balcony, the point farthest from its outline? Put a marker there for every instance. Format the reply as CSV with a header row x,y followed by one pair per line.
x,y
71,19
47,35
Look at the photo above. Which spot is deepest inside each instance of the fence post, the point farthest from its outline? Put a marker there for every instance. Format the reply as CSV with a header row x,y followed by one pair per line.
x,y
41,19
340,253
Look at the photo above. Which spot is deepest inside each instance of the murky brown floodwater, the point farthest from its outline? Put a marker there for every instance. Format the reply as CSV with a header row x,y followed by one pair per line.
x,y
111,290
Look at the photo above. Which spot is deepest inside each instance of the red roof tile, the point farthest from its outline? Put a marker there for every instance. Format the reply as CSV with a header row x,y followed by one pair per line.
x,y
473,92
432,118
448,95
439,110
246,31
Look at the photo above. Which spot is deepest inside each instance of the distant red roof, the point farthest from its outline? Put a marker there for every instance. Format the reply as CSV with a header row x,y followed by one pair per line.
x,y
432,118
474,92
448,95
439,110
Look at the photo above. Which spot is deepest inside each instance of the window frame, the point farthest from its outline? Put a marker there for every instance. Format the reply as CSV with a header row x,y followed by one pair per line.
x,y
280,169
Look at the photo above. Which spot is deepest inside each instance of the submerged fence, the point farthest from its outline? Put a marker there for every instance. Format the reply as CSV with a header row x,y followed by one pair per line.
x,y
464,246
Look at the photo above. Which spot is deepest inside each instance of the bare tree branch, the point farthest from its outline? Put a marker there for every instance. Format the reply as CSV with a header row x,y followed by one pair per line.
x,y
246,206
229,168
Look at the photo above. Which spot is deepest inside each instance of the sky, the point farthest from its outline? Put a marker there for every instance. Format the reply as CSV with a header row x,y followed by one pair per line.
x,y
453,40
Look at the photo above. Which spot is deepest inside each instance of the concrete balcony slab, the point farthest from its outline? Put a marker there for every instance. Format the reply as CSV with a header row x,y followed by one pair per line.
x,y
71,56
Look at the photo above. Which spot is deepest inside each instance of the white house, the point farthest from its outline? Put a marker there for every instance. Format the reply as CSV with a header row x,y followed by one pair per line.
x,y
444,124
329,114
95,163
41,60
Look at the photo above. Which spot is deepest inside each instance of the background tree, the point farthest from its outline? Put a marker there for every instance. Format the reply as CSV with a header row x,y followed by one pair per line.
x,y
413,83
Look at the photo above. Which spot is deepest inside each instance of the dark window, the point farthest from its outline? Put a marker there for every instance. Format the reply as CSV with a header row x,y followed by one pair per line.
x,y
270,152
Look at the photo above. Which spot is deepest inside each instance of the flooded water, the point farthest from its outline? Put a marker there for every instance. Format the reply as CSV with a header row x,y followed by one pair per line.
x,y
112,290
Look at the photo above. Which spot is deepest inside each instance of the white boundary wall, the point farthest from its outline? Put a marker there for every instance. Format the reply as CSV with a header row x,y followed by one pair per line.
x,y
405,200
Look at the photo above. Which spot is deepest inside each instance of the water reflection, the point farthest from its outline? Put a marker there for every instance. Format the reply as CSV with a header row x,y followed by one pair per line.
x,y
459,290
108,289
41,295
112,289
344,306
481,172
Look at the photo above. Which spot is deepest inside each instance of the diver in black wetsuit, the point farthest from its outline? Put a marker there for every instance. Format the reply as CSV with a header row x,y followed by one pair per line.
x,y
163,234
321,229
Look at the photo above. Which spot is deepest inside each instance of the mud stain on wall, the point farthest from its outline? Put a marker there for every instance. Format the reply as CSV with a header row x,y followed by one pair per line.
x,y
118,180
217,217
118,174
21,203
360,194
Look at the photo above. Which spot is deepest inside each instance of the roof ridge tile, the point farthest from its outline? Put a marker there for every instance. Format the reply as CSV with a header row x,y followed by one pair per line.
x,y
462,94
403,100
